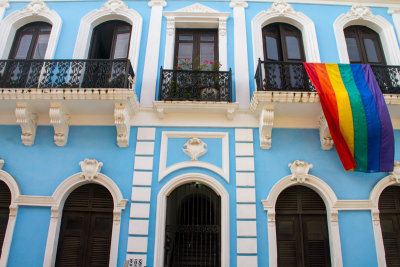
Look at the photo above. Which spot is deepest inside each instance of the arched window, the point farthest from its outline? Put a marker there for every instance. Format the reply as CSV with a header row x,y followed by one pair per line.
x,y
5,201
282,42
193,227
364,45
301,228
389,213
110,40
86,226
30,41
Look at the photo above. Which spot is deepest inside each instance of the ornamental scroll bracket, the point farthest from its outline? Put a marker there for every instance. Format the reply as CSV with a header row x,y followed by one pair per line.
x,y
59,118
90,169
195,148
265,127
28,122
324,134
299,170
395,174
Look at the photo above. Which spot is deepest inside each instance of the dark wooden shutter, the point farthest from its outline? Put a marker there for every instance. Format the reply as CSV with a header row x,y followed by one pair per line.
x,y
86,226
302,232
389,208
5,201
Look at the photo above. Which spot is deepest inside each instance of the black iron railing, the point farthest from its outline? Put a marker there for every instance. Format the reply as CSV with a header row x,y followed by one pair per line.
x,y
195,85
292,76
90,73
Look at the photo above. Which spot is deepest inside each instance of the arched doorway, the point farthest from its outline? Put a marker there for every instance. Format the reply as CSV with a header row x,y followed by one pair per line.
x,y
301,228
86,226
193,227
389,213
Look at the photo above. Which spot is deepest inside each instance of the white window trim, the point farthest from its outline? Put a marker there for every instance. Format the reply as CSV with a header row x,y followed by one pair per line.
x,y
111,10
15,193
392,179
34,11
361,15
281,11
162,209
90,174
196,16
329,198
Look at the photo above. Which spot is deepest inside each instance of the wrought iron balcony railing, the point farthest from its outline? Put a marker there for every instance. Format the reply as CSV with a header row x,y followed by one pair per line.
x,y
90,73
292,76
195,85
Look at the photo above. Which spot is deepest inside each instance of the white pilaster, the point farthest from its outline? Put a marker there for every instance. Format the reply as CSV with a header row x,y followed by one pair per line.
x,y
396,19
3,6
152,52
241,59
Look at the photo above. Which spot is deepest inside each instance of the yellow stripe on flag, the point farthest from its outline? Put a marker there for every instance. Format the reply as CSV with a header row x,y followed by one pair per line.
x,y
343,103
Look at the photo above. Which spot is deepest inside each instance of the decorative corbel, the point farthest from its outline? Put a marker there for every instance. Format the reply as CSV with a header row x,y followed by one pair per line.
x,y
299,170
90,169
324,134
122,117
266,124
59,118
395,174
28,122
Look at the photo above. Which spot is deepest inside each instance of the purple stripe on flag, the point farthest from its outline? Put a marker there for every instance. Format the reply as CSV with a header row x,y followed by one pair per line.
x,y
387,137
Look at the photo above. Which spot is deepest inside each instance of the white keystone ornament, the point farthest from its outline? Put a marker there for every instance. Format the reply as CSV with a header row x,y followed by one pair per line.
x,y
195,148
90,168
299,170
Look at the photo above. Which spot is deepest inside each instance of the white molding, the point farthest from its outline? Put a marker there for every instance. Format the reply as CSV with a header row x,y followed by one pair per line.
x,y
242,85
362,15
329,198
111,10
395,12
324,134
164,171
162,209
90,174
281,11
149,80
3,6
15,191
391,180
35,11
28,122
59,118
164,107
196,16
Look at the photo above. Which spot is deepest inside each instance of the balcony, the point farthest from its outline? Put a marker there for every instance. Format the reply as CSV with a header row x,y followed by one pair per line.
x,y
99,92
286,98
195,90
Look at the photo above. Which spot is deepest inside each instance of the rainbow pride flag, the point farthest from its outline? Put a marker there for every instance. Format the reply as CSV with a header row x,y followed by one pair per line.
x,y
357,115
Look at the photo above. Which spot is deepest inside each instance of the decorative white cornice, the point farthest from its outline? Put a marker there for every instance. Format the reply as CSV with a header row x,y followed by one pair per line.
x,y
194,148
90,169
59,118
238,3
27,120
122,121
197,8
324,134
395,175
1,163
157,3
299,170
266,124
114,6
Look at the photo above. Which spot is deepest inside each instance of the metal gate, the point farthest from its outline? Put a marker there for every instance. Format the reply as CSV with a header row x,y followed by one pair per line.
x,y
193,231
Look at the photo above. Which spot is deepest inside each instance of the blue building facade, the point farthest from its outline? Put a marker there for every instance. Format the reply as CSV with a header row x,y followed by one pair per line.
x,y
208,147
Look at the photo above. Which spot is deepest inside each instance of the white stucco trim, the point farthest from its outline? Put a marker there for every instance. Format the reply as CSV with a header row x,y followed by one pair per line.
x,y
283,12
196,16
61,194
361,15
111,10
15,193
3,6
164,171
329,198
376,223
162,209
34,11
